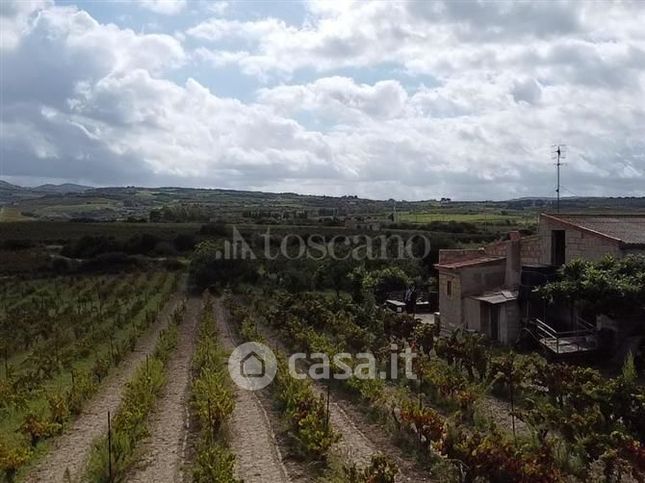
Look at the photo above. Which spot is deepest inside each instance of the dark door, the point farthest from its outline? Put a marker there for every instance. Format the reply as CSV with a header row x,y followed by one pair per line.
x,y
484,317
558,247
494,322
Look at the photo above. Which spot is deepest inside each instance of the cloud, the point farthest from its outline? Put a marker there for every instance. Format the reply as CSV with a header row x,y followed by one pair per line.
x,y
339,96
460,102
569,41
528,90
164,7
14,18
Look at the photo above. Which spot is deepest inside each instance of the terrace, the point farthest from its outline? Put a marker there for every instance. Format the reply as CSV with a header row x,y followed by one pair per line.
x,y
582,338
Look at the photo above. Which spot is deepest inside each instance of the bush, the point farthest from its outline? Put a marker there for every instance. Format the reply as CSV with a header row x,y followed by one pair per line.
x,y
380,470
12,459
213,403
184,242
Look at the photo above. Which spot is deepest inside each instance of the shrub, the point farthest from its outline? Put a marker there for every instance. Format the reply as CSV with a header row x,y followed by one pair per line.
x,y
380,470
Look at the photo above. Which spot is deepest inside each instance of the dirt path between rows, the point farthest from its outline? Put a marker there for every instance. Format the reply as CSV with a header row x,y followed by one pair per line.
x,y
360,439
258,457
70,451
163,452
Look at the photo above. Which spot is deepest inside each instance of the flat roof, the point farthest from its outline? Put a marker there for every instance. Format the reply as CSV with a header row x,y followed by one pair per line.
x,y
470,262
499,297
625,228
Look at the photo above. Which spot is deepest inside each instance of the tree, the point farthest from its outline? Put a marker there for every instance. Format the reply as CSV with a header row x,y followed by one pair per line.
x,y
382,282
335,274
208,266
610,286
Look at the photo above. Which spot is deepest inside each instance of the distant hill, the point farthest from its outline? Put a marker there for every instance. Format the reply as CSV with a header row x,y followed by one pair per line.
x,y
8,186
11,192
72,201
61,188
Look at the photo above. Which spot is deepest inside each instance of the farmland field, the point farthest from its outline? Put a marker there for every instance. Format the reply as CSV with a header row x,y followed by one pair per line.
x,y
8,214
61,339
495,218
84,335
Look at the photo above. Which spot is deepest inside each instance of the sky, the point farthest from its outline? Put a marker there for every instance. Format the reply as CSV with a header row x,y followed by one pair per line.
x,y
381,99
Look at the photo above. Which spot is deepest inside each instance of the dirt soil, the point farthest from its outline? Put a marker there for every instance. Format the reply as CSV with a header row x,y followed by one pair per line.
x,y
70,451
258,456
164,451
360,439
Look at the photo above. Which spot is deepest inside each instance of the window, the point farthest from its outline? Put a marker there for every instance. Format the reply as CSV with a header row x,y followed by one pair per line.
x,y
449,288
558,247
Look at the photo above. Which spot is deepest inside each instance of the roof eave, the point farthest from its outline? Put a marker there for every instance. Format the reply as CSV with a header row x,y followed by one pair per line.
x,y
583,228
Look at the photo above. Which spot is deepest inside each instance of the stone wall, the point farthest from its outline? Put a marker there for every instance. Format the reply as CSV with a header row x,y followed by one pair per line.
x,y
450,305
579,243
465,282
530,250
450,255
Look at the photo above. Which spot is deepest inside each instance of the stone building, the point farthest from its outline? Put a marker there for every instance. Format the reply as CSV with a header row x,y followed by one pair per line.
x,y
479,289
590,237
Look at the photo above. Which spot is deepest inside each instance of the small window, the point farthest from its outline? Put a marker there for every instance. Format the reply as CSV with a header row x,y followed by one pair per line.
x,y
449,288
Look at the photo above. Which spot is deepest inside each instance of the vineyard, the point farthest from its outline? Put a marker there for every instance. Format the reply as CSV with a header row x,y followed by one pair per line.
x,y
124,378
61,338
565,422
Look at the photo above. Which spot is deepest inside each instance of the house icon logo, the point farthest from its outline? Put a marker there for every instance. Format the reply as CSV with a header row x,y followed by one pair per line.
x,y
252,366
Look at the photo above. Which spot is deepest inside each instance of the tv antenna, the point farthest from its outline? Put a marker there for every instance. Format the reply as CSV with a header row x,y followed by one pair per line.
x,y
558,153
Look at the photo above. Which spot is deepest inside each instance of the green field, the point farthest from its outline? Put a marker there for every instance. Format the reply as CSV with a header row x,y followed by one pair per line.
x,y
12,214
496,217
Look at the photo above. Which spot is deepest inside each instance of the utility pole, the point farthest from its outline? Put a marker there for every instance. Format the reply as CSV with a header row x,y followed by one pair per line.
x,y
558,153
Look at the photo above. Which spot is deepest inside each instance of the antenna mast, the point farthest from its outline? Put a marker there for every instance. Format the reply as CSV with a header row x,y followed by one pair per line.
x,y
558,153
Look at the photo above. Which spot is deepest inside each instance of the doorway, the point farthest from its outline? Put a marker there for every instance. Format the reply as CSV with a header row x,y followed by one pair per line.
x,y
558,247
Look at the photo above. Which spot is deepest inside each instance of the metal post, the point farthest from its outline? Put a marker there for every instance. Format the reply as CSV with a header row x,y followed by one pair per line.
x,y
558,189
109,448
210,421
420,411
328,391
510,378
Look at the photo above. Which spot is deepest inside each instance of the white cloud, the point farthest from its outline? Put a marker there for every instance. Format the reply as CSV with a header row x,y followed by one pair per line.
x,y
339,96
465,102
14,19
164,7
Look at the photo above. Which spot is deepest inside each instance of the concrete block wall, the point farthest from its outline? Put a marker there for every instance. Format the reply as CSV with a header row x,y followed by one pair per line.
x,y
450,305
579,243
450,255
481,278
530,249
496,249
511,329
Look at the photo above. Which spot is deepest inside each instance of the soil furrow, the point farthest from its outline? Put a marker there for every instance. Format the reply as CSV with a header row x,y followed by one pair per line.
x,y
163,451
66,459
360,439
258,457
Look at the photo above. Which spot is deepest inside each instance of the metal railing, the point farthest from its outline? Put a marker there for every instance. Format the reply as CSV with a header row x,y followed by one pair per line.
x,y
584,331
